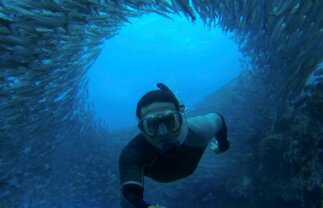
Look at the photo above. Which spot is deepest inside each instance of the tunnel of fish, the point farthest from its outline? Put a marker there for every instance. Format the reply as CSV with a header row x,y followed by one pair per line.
x,y
47,46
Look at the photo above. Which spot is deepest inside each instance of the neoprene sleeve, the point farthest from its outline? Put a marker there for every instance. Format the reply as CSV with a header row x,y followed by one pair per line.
x,y
132,197
222,136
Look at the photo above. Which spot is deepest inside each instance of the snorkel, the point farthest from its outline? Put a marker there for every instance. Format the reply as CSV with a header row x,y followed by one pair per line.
x,y
163,87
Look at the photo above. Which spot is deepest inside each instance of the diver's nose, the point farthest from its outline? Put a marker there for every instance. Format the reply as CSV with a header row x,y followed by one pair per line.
x,y
162,129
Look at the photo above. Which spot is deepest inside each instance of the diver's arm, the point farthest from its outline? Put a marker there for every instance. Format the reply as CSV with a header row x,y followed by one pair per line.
x,y
131,166
221,136
132,196
209,126
132,185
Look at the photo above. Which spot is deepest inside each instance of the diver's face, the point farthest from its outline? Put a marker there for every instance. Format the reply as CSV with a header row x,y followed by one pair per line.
x,y
157,113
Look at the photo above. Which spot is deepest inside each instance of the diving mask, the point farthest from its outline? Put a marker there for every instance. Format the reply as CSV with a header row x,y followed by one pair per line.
x,y
152,124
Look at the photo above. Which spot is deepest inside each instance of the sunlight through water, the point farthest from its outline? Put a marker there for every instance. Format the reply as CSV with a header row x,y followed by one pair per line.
x,y
190,58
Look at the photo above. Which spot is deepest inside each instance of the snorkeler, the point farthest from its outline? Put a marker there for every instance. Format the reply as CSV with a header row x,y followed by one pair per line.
x,y
169,146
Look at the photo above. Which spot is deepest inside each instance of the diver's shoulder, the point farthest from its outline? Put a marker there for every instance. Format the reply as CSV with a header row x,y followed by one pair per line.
x,y
134,146
202,119
205,124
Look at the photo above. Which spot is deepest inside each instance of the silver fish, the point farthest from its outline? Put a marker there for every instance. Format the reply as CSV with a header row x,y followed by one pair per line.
x,y
184,5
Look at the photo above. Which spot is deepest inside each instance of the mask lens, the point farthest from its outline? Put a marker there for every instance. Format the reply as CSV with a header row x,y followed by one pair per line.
x,y
150,125
172,121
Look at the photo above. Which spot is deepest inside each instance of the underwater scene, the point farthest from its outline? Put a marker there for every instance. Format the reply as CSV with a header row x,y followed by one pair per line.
x,y
161,103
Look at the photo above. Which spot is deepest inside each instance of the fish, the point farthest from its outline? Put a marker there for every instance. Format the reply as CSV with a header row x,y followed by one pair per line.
x,y
304,7
47,47
284,7
184,5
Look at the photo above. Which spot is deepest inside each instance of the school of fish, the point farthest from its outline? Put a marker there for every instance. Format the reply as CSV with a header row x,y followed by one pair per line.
x,y
47,47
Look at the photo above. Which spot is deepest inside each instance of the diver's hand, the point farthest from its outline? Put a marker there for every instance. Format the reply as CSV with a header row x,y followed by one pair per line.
x,y
215,147
156,206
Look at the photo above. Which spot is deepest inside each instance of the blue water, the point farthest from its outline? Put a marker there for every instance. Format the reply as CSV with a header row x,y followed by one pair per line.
x,y
190,58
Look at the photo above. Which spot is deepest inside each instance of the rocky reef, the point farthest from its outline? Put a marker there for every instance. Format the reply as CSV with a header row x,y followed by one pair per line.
x,y
289,165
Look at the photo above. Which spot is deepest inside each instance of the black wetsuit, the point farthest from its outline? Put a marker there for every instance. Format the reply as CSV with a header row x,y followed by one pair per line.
x,y
139,158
